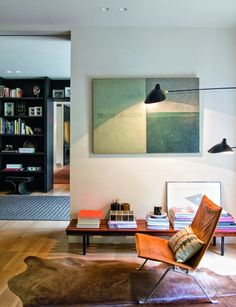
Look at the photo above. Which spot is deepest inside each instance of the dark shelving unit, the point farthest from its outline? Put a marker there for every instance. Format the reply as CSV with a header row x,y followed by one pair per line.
x,y
41,126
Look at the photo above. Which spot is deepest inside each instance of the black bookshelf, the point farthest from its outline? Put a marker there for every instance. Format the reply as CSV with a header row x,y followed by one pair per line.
x,y
21,127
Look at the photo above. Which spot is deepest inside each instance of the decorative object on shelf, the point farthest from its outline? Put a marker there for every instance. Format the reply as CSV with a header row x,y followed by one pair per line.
x,y
115,205
123,124
21,108
34,168
125,206
38,111
31,111
9,148
67,91
58,93
157,210
29,144
9,108
38,130
36,90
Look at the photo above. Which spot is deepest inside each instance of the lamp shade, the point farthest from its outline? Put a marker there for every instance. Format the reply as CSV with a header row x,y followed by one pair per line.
x,y
221,147
156,95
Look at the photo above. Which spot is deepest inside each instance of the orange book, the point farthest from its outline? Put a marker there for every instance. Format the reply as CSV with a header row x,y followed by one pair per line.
x,y
90,214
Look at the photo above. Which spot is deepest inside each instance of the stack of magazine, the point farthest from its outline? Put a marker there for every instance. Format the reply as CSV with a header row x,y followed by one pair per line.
x,y
159,221
226,222
180,217
89,218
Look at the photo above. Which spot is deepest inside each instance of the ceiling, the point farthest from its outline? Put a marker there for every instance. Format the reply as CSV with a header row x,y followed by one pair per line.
x,y
44,55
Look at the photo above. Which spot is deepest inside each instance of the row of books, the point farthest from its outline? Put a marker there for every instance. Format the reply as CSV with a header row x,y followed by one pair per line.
x,y
10,92
14,127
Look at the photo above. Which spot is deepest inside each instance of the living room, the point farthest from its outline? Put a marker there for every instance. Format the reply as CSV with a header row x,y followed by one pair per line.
x,y
156,40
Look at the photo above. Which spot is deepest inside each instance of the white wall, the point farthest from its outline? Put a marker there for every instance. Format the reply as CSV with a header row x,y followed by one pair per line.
x,y
146,52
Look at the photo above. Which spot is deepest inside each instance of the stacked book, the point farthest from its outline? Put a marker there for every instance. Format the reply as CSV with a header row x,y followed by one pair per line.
x,y
226,222
89,218
159,221
13,167
122,219
180,217
26,150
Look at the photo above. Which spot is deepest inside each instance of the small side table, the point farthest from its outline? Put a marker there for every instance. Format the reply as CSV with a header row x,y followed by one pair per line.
x,y
19,184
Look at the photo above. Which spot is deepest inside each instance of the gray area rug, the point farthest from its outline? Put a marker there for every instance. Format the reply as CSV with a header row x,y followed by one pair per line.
x,y
44,208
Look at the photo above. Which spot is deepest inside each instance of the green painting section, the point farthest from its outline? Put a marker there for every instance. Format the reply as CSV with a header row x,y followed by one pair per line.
x,y
114,95
173,132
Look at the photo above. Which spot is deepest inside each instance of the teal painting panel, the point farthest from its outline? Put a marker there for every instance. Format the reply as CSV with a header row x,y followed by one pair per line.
x,y
173,132
175,126
114,95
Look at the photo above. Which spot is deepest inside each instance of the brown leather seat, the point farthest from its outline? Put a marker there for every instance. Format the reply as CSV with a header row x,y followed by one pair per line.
x,y
157,249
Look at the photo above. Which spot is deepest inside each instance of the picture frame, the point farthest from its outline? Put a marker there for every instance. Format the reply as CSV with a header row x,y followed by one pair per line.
x,y
9,108
189,193
21,108
123,124
58,93
67,92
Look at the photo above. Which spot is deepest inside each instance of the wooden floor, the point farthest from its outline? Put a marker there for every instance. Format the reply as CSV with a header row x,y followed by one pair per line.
x,y
20,239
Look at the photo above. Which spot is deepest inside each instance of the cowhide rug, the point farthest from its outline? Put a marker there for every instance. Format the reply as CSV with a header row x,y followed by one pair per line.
x,y
76,282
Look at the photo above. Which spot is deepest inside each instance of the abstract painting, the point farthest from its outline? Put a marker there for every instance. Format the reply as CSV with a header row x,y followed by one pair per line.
x,y
190,193
122,123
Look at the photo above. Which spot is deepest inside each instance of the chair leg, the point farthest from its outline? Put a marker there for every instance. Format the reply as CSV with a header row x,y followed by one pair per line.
x,y
204,291
142,265
143,301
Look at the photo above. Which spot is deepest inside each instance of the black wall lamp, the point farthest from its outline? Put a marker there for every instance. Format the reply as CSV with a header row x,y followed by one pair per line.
x,y
157,95
221,147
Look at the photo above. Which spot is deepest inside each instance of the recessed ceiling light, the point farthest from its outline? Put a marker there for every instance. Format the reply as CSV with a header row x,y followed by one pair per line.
x,y
18,71
123,9
8,71
105,9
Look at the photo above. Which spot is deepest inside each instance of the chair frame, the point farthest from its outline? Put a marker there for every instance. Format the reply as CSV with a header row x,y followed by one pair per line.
x,y
205,233
176,270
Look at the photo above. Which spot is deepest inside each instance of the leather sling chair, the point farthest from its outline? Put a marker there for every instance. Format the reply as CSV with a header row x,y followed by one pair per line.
x,y
158,249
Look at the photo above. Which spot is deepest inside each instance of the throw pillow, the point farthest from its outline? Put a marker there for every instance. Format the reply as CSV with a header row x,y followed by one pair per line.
x,y
185,244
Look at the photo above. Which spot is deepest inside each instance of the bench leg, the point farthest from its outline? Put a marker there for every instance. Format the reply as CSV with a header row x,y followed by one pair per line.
x,y
222,247
84,244
214,241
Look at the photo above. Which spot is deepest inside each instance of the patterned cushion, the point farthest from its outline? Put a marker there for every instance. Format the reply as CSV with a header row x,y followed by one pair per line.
x,y
185,244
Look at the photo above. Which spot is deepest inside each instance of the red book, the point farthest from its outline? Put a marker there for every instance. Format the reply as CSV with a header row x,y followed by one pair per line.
x,y
90,214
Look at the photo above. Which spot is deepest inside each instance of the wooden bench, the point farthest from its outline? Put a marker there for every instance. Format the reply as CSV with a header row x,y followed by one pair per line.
x,y
104,230
18,184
